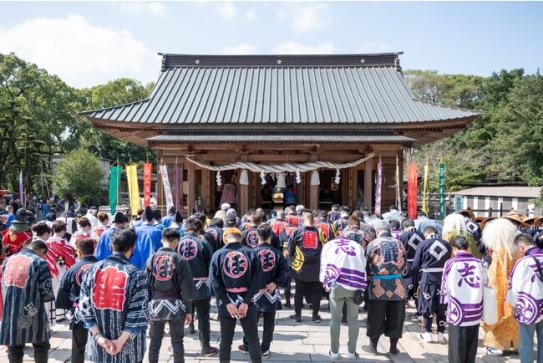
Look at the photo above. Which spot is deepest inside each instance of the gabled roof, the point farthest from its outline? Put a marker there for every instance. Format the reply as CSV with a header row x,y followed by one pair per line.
x,y
201,90
514,191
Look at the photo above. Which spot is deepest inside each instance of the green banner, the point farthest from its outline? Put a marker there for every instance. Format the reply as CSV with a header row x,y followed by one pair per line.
x,y
442,210
114,182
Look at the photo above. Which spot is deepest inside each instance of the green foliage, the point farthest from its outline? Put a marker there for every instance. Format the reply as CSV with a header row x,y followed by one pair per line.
x,y
79,174
500,146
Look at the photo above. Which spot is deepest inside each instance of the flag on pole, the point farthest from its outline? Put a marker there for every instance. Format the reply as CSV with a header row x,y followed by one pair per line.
x,y
412,190
114,181
166,184
398,187
133,188
425,189
442,210
147,171
378,188
21,189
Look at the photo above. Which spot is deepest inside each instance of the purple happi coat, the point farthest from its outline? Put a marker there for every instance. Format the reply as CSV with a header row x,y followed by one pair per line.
x,y
462,289
525,291
343,263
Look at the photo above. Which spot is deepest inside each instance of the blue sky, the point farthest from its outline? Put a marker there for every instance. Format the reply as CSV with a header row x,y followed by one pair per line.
x,y
92,42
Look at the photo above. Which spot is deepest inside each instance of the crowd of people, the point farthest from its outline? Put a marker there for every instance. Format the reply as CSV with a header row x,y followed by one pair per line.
x,y
120,280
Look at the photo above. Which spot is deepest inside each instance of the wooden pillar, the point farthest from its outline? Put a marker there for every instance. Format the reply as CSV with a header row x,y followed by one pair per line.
x,y
353,187
191,193
206,190
181,201
313,193
368,184
243,193
400,163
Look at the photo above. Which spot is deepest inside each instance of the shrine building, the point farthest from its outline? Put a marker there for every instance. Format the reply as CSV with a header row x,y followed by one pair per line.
x,y
251,112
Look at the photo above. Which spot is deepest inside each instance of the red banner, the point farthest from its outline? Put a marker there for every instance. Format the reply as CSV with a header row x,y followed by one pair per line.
x,y
412,190
147,170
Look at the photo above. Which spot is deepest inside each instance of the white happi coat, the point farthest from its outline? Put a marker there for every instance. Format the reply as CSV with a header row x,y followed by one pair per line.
x,y
462,289
343,263
525,291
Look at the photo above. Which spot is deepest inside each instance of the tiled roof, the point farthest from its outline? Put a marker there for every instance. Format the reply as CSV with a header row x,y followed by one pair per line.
x,y
272,90
503,191
283,138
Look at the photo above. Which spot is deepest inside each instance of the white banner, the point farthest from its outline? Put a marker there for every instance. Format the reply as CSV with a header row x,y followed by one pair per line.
x,y
166,184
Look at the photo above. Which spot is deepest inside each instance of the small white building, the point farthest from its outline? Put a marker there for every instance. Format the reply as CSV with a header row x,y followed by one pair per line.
x,y
505,198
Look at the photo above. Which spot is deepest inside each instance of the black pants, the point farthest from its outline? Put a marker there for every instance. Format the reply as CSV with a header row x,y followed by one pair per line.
x,y
385,317
41,352
267,332
79,341
250,330
156,333
201,307
428,304
312,292
287,290
463,343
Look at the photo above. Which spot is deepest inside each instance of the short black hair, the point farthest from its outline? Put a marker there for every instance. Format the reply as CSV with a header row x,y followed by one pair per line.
x,y
217,222
460,242
430,230
408,223
171,234
524,238
193,224
264,232
201,217
38,245
256,217
172,210
178,217
148,214
123,240
59,226
157,215
394,224
84,222
41,228
85,246
354,220
230,221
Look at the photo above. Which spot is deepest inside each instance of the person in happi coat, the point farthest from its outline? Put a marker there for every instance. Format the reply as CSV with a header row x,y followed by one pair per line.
x,y
103,249
113,304
333,214
18,232
172,290
250,235
207,236
387,290
343,275
357,231
41,231
327,228
456,224
430,258
214,230
464,278
498,238
147,241
410,239
274,270
84,231
342,222
525,294
68,296
304,248
291,217
101,226
26,287
168,219
198,252
235,280
60,257
395,228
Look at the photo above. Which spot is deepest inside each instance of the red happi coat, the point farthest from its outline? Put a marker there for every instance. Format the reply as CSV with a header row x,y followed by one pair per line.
x,y
59,254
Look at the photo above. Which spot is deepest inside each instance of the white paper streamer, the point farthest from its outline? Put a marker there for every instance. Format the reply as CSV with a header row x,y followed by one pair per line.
x,y
219,179
315,179
338,177
244,178
262,178
298,177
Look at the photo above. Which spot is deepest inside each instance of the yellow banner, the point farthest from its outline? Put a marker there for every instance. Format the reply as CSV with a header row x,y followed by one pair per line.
x,y
133,188
425,189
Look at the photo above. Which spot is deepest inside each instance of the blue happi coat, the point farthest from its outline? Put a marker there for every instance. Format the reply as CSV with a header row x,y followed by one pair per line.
x,y
102,249
114,296
26,286
148,241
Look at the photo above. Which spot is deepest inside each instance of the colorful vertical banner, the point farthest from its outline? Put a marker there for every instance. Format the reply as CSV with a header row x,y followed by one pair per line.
x,y
176,186
21,189
412,190
133,188
424,207
457,203
166,184
398,187
442,210
114,181
147,171
378,187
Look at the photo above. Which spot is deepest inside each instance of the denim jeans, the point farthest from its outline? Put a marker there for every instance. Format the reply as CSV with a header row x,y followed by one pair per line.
x,y
526,333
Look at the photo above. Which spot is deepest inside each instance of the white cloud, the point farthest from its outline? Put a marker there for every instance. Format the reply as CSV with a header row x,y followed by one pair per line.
x,y
292,47
78,52
242,48
306,17
375,47
143,8
250,14
227,10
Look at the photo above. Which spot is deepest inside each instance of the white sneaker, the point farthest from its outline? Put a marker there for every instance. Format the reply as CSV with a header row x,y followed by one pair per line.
x,y
333,356
351,356
425,337
441,338
494,352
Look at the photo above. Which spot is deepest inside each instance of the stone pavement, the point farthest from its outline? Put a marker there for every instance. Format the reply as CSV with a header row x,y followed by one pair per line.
x,y
303,342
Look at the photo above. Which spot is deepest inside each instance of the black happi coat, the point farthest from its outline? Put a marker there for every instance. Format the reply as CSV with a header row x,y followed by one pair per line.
x,y
273,267
430,258
234,276
197,252
304,248
171,285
